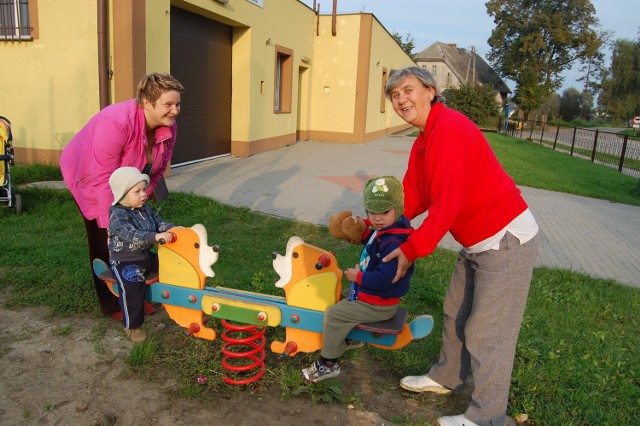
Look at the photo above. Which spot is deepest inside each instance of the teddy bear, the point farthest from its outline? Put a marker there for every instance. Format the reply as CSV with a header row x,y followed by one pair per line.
x,y
345,226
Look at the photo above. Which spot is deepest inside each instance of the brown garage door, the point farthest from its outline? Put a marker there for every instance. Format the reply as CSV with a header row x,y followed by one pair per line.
x,y
201,61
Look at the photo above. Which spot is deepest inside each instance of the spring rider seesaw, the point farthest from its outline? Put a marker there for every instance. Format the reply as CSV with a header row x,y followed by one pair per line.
x,y
309,276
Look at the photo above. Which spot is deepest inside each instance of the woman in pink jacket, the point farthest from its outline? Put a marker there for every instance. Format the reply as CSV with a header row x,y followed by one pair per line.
x,y
141,133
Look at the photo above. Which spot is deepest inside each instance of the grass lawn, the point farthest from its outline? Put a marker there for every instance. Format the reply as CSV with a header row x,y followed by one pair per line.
x,y
536,166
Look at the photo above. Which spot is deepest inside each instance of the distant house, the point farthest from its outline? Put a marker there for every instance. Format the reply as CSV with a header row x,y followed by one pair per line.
x,y
453,67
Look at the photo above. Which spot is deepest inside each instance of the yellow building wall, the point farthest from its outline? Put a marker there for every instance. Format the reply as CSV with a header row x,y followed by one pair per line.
x,y
291,27
256,32
334,75
347,86
158,36
241,108
385,55
50,84
53,89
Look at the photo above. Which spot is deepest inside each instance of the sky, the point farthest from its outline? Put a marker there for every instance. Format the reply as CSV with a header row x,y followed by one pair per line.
x,y
466,23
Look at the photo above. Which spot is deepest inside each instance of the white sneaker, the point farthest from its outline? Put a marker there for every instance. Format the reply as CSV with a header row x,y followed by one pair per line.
x,y
423,384
320,371
460,420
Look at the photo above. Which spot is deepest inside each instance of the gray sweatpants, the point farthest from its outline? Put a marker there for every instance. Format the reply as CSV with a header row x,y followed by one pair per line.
x,y
342,317
483,311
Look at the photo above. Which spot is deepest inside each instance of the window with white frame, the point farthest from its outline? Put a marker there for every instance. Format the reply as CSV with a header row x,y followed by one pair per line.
x,y
14,20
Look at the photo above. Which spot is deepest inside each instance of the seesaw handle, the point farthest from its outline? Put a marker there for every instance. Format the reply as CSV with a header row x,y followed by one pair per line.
x,y
174,238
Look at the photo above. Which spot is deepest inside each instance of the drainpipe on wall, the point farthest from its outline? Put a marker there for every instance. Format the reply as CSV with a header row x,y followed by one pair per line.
x,y
103,52
333,18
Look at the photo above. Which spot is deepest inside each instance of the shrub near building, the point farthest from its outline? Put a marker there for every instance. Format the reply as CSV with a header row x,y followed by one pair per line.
x,y
478,103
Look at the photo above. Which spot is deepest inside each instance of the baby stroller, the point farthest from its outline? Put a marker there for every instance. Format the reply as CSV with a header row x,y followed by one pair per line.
x,y
6,161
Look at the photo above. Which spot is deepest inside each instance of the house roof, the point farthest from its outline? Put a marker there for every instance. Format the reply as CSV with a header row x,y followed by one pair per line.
x,y
460,61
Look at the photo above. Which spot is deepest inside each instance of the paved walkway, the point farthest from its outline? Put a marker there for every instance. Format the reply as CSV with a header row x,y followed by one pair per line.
x,y
310,181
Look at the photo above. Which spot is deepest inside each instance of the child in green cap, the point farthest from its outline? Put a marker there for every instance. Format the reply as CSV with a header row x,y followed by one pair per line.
x,y
374,296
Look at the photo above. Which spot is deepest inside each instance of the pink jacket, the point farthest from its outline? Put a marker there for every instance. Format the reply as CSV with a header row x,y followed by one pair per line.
x,y
114,137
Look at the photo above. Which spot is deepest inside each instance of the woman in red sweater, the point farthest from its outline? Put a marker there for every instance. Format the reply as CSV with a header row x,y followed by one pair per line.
x,y
455,176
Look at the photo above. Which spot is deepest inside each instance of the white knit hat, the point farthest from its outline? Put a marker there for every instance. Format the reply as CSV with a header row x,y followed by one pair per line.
x,y
122,180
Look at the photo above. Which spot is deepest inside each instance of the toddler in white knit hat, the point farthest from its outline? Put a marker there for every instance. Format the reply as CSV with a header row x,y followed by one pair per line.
x,y
134,228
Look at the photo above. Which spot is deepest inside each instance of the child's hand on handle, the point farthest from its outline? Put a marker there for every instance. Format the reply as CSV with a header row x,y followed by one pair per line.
x,y
352,273
165,237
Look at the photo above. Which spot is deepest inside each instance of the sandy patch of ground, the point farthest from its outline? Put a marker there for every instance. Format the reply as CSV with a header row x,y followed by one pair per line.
x,y
49,377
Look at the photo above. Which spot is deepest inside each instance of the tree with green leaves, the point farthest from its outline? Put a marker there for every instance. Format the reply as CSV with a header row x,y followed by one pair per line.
x,y
587,104
591,71
534,41
405,41
620,89
478,102
550,107
570,104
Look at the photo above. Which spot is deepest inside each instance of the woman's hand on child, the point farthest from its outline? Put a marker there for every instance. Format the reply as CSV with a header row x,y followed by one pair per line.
x,y
403,263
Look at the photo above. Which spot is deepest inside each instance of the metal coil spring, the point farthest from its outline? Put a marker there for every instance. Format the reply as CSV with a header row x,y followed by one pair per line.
x,y
247,366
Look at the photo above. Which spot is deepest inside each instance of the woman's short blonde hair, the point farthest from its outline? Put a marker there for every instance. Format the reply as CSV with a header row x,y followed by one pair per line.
x,y
153,85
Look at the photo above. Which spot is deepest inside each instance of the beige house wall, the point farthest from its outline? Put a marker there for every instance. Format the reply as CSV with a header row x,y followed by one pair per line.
x,y
445,77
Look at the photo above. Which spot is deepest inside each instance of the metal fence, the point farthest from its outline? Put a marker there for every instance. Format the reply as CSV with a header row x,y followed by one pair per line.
x,y
601,147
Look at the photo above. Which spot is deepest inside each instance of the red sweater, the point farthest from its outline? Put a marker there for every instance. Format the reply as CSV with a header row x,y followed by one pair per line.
x,y
455,176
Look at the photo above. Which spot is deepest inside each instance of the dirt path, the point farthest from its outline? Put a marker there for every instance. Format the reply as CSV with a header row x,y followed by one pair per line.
x,y
52,372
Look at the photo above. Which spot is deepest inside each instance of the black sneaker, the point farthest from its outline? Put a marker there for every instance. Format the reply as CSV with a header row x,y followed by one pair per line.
x,y
320,371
